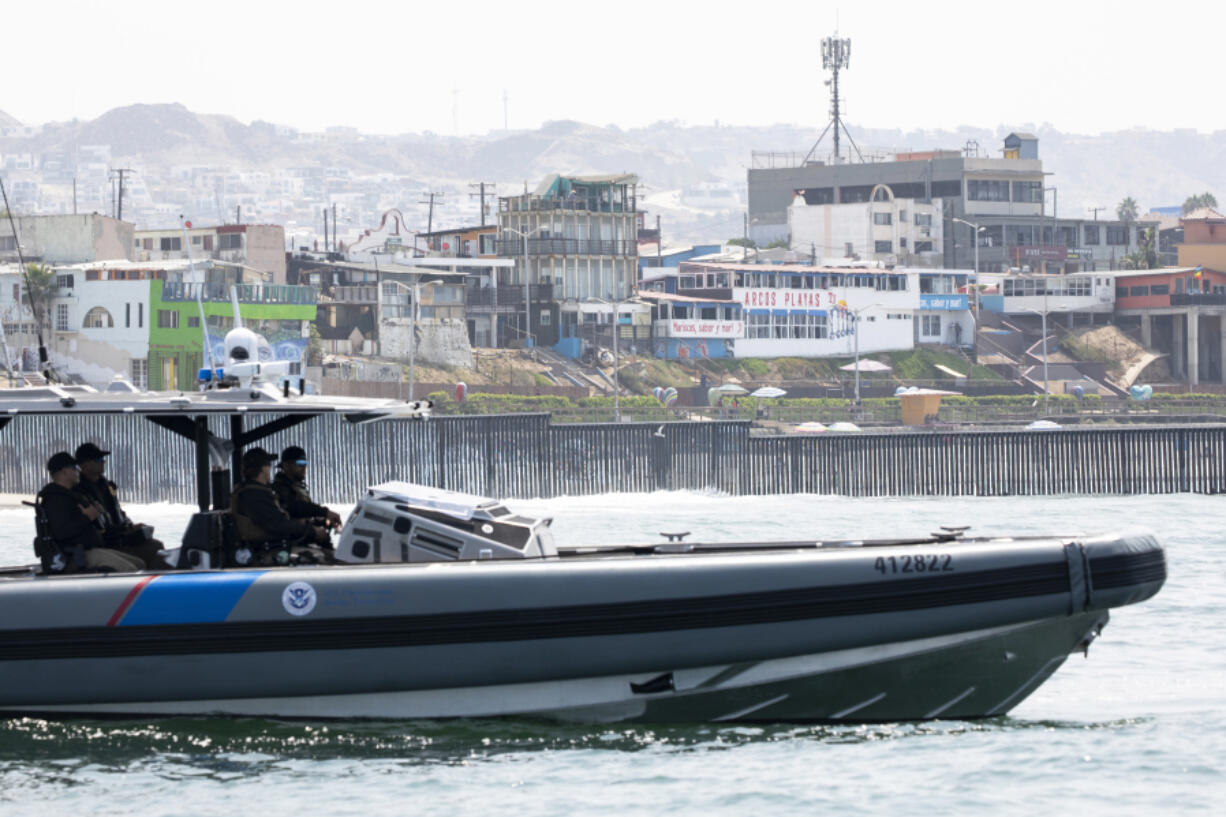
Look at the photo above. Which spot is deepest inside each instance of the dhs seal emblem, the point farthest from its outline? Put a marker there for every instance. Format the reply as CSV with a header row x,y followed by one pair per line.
x,y
298,599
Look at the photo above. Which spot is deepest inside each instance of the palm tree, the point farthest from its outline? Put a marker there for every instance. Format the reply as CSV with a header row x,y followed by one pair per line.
x,y
1196,202
1127,210
1146,255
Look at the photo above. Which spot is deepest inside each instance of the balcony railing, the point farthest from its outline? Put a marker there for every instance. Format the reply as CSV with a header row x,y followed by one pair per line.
x,y
566,246
509,296
519,204
1198,299
247,293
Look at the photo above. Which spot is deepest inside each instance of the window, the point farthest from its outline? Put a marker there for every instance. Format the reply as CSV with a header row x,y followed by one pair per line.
x,y
923,219
923,246
7,243
1121,292
1160,289
1138,290
147,243
882,218
208,243
230,241
485,243
139,371
193,321
1091,234
171,244
848,250
883,246
168,319
902,243
930,325
196,239
708,313
759,325
1028,192
127,316
1117,236
98,318
64,281
546,317
902,216
61,317
140,316
987,190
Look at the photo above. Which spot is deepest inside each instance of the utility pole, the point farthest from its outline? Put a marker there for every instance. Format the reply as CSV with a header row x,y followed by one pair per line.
x,y
430,215
119,200
481,186
1095,211
335,243
325,229
74,195
238,214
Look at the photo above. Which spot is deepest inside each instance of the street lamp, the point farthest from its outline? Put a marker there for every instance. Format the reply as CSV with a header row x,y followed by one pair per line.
x,y
975,231
1043,315
527,313
617,413
856,334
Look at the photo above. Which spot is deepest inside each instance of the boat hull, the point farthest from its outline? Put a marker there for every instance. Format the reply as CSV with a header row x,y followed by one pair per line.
x,y
791,634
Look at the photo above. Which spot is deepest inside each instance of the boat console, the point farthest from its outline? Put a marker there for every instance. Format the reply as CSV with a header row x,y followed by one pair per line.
x,y
400,522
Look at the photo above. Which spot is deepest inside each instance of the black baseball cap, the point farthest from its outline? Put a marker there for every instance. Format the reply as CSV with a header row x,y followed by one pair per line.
x,y
88,451
60,461
257,456
294,453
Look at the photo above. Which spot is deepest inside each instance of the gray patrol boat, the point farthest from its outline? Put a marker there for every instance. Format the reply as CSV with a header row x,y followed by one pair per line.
x,y
441,604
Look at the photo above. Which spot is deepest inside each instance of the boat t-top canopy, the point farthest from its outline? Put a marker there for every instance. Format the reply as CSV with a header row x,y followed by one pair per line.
x,y
187,414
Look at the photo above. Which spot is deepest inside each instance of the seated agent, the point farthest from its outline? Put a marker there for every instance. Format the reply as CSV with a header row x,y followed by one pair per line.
x,y
73,522
291,489
118,531
263,524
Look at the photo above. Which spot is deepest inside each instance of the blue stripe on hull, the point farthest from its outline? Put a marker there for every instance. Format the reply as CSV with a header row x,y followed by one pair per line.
x,y
190,598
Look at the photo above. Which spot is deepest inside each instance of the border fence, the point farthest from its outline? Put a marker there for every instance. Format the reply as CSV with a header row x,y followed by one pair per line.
x,y
525,455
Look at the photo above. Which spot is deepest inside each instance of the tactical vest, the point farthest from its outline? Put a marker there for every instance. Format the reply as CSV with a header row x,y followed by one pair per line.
x,y
248,530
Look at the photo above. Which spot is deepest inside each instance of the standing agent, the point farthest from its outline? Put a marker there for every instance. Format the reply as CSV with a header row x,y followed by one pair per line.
x,y
118,531
291,489
72,523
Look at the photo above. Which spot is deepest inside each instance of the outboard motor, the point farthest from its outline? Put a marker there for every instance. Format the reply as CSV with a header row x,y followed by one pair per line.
x,y
405,522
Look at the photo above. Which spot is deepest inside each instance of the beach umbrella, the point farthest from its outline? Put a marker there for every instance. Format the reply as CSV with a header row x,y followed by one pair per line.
x,y
866,366
1044,425
812,427
844,426
768,391
731,388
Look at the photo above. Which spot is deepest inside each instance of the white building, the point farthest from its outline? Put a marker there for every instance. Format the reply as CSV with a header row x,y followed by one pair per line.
x,y
798,310
883,229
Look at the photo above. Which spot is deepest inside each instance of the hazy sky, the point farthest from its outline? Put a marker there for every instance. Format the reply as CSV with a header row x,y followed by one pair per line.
x,y
1083,66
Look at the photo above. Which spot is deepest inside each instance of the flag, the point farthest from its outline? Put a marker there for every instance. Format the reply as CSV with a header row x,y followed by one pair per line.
x,y
1200,271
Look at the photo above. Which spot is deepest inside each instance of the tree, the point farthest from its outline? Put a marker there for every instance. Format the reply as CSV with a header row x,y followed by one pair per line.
x,y
39,289
1146,255
1127,210
741,242
1205,199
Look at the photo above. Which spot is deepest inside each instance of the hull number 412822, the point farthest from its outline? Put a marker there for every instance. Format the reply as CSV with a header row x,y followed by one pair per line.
x,y
923,563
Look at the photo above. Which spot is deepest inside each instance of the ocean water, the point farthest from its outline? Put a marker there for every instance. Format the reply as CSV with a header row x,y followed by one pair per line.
x,y
1137,728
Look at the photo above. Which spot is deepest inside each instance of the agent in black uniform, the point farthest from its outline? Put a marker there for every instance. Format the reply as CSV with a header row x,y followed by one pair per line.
x,y
290,487
118,531
263,525
73,522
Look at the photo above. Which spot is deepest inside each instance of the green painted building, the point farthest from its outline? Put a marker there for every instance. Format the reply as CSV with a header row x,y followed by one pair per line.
x,y
281,313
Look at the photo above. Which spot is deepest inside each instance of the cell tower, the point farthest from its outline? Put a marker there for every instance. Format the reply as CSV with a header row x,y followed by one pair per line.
x,y
836,55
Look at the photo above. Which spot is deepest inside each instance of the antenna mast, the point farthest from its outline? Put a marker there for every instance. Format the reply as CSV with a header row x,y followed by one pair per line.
x,y
836,55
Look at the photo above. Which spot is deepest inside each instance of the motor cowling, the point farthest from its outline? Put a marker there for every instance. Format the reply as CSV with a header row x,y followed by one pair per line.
x,y
399,522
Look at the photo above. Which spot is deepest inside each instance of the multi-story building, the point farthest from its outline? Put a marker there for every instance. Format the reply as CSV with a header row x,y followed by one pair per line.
x,y
579,234
258,246
800,310
1005,199
884,229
